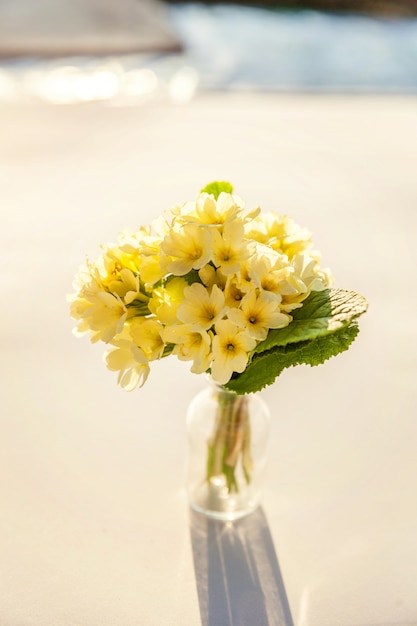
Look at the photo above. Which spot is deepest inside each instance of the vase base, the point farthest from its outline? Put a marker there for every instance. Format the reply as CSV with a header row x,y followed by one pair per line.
x,y
215,501
226,516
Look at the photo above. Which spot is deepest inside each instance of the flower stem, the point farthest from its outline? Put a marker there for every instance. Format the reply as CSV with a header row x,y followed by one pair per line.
x,y
229,446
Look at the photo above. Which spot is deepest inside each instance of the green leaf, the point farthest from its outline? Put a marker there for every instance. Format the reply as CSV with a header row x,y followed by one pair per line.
x,y
265,367
191,277
217,187
322,313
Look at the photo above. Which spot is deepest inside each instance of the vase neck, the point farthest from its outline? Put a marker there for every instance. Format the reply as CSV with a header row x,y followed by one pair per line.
x,y
220,389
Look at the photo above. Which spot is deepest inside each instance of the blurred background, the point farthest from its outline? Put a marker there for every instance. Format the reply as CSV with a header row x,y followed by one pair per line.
x,y
130,51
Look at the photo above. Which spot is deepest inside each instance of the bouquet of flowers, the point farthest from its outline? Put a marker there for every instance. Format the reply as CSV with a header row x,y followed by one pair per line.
x,y
238,292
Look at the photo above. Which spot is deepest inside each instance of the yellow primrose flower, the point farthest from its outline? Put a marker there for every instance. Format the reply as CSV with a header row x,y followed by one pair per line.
x,y
89,278
209,276
206,210
160,227
87,284
189,248
151,263
267,228
166,299
232,293
115,259
190,346
146,334
231,347
202,307
128,240
101,313
243,277
257,314
117,273
130,362
280,232
306,266
265,269
302,277
147,247
297,240
230,249
268,280
127,286
153,269
218,212
79,308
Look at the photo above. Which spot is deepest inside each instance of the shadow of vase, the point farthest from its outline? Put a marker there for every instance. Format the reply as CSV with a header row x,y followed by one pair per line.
x,y
239,582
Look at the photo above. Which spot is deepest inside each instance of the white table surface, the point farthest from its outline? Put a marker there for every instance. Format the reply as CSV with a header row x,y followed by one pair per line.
x,y
94,525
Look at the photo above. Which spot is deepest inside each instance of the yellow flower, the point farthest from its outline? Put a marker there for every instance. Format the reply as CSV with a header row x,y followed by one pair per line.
x,y
152,265
296,239
206,210
231,347
145,248
130,362
303,276
209,276
100,313
243,277
202,307
146,334
190,346
165,300
273,274
306,266
232,292
107,316
280,232
268,279
127,286
230,249
220,211
115,258
153,268
189,248
260,264
257,314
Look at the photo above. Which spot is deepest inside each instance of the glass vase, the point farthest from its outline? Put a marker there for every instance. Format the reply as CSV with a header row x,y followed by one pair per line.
x,y
227,452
